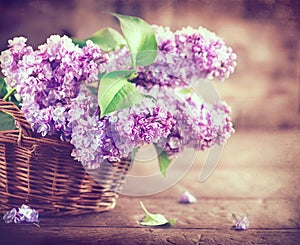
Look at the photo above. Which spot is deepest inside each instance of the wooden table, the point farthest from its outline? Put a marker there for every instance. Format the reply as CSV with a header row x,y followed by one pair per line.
x,y
258,176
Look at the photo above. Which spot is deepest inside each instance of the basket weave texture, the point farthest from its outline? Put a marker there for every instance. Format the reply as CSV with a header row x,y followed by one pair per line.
x,y
40,172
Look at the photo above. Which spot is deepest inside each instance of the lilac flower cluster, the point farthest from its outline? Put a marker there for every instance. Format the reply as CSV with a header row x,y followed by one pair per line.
x,y
183,57
55,99
49,77
206,52
113,137
198,125
91,136
140,124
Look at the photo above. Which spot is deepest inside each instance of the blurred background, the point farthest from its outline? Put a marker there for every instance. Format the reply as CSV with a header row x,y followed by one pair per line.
x,y
264,92
259,169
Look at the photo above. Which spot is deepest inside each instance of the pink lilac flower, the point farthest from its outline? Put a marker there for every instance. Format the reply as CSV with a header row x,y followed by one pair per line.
x,y
49,77
222,127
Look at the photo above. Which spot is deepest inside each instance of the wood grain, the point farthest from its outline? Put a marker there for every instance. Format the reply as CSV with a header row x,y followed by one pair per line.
x,y
103,235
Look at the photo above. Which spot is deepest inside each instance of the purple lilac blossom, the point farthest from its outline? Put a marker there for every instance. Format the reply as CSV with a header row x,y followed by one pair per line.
x,y
54,101
183,57
91,135
28,214
198,125
49,77
10,216
113,137
205,52
141,124
118,60
163,71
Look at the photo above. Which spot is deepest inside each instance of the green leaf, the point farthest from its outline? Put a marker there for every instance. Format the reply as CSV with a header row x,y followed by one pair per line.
x,y
7,122
116,93
155,219
108,39
188,90
140,39
164,160
133,153
80,42
3,89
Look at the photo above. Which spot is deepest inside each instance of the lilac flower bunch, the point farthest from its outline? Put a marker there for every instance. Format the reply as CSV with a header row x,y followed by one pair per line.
x,y
91,136
183,58
54,82
49,77
146,123
199,125
114,137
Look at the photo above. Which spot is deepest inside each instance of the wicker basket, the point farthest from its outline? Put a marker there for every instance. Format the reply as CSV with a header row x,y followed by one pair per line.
x,y
40,172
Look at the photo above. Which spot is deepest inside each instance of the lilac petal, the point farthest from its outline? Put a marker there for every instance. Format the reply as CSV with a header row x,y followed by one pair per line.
x,y
9,217
27,214
241,223
187,197
17,220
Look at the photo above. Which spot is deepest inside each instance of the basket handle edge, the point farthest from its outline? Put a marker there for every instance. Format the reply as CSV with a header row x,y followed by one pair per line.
x,y
21,121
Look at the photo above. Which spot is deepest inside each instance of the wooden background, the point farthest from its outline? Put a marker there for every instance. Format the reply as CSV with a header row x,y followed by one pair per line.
x,y
259,170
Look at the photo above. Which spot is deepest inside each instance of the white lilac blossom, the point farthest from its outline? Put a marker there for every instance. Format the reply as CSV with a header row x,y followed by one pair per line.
x,y
49,77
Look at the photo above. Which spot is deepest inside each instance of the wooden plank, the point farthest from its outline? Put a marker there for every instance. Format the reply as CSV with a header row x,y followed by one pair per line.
x,y
275,214
93,235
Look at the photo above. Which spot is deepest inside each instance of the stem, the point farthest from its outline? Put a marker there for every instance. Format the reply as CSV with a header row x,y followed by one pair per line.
x,y
9,94
144,208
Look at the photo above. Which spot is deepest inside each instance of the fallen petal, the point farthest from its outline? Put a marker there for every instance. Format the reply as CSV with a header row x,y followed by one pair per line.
x,y
27,214
241,223
187,197
9,217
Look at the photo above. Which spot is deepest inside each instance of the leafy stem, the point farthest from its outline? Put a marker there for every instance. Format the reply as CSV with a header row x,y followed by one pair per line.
x,y
9,94
155,219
